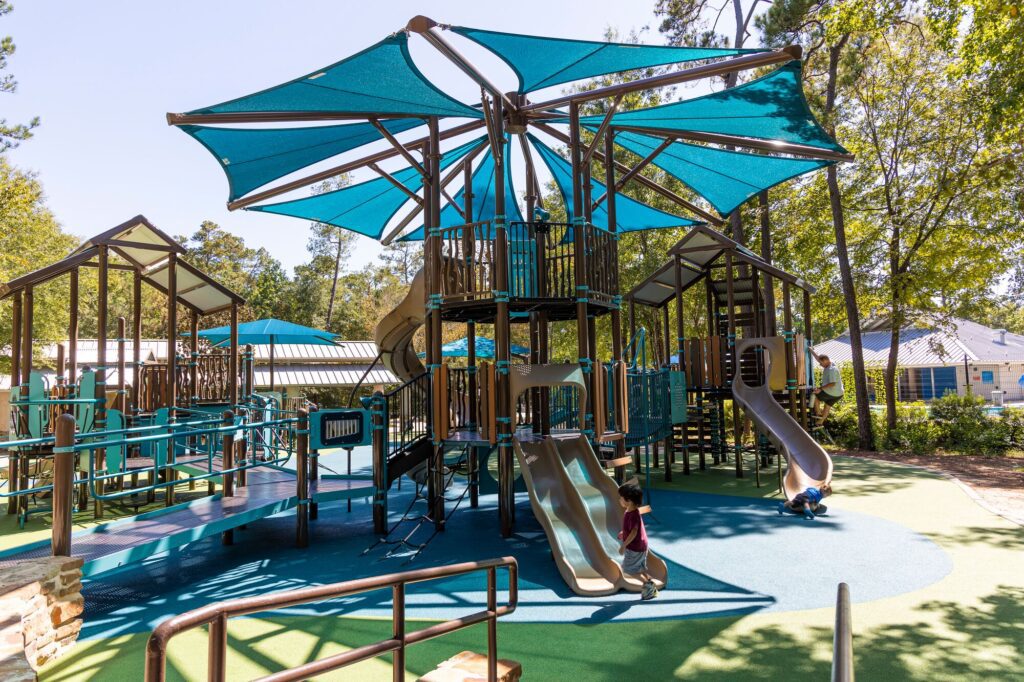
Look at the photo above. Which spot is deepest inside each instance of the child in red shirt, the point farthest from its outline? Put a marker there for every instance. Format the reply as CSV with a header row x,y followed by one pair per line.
x,y
634,539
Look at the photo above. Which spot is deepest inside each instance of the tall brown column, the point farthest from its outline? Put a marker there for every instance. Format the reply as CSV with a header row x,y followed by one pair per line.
x,y
172,369
193,364
102,295
502,356
16,414
579,255
766,255
616,314
136,339
72,370
432,224
737,432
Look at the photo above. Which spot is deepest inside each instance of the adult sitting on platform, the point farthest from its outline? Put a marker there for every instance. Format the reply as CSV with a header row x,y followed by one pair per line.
x,y
830,391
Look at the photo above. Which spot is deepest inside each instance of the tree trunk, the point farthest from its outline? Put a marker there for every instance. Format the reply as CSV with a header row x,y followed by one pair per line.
x,y
865,435
890,376
334,285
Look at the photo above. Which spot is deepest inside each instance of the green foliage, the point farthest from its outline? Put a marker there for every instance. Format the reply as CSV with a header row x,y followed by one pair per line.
x,y
10,133
915,432
31,237
966,427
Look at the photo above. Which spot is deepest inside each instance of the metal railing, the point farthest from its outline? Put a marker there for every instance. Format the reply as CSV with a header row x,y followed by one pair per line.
x,y
842,643
216,617
406,414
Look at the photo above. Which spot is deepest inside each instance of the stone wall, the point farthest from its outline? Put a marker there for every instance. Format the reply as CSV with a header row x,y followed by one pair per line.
x,y
40,601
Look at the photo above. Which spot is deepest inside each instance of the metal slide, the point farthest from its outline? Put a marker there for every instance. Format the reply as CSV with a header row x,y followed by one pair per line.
x,y
578,516
808,463
394,333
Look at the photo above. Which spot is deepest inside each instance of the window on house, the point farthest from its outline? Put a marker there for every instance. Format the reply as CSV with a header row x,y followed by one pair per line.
x,y
988,377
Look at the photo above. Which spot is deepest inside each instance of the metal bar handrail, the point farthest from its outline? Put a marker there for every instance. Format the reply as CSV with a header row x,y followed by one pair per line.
x,y
407,383
842,643
216,616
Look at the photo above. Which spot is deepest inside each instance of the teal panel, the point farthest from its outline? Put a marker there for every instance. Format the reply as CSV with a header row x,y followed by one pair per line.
x,y
36,414
677,387
725,178
115,422
540,62
365,208
630,214
483,197
381,79
771,108
85,413
252,157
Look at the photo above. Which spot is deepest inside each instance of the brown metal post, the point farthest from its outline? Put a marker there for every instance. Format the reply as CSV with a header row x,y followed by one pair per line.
x,y
136,339
217,649
809,340
302,481
314,471
16,414
433,213
681,349
63,485
99,456
579,255
616,315
72,369
731,313
492,625
122,399
193,365
171,396
380,481
471,371
788,335
505,402
398,631
227,462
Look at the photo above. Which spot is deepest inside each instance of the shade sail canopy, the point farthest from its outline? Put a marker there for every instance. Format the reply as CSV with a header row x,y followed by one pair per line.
x,y
252,157
367,207
483,198
771,108
484,349
725,178
382,79
269,331
630,214
541,62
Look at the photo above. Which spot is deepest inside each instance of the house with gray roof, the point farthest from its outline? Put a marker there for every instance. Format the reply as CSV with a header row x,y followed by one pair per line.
x,y
942,356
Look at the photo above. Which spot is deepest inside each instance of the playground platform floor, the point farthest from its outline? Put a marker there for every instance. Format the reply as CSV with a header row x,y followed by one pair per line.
x,y
937,583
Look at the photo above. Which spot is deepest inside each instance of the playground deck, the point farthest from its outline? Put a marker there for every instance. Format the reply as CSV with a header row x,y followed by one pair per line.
x,y
117,543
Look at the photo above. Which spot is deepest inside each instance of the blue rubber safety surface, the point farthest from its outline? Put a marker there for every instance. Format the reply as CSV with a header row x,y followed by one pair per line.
x,y
726,556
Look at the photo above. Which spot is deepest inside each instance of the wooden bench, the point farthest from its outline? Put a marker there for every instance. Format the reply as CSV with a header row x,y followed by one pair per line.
x,y
472,667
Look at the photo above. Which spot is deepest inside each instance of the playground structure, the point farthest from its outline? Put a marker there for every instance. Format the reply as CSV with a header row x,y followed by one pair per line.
x,y
567,425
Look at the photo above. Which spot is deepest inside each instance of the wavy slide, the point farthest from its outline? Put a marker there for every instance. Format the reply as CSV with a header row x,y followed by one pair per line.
x,y
808,463
577,504
394,333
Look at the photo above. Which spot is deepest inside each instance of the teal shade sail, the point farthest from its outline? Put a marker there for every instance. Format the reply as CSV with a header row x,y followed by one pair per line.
x,y
270,330
630,214
364,208
483,198
540,62
252,157
382,79
483,347
725,178
770,108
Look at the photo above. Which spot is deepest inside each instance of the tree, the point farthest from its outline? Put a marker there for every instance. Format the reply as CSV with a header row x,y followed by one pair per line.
x,y
404,259
31,237
330,246
11,133
830,27
935,194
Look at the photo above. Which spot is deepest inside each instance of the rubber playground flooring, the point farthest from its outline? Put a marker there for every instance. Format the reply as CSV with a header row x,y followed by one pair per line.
x,y
937,583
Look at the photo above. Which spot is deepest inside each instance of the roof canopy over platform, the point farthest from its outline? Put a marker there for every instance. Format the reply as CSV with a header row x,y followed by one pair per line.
x,y
725,146
698,252
144,249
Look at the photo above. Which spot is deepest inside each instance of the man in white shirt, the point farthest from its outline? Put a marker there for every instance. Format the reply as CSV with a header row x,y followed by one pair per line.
x,y
831,390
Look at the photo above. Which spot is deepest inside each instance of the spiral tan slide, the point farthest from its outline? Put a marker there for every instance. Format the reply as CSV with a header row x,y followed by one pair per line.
x,y
809,465
394,333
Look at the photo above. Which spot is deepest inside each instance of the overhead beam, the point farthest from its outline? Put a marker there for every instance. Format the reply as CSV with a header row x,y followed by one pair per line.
x,y
394,181
345,168
743,63
645,181
801,150
621,182
601,129
399,147
277,117
426,28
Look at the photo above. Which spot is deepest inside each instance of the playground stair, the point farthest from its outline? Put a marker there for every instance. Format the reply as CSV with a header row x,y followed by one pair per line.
x,y
472,667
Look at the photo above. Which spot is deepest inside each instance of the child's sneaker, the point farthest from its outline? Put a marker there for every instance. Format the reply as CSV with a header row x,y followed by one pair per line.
x,y
808,514
782,508
649,591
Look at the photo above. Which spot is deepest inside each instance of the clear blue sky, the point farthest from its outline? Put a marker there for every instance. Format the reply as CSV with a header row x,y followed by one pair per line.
x,y
103,75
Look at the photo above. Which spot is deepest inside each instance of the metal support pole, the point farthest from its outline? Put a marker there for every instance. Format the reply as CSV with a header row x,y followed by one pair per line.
x,y
730,291
505,402
63,485
100,423
227,460
170,473
12,460
380,463
136,339
302,481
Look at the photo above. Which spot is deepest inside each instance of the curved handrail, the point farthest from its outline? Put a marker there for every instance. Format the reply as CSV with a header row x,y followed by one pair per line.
x,y
842,643
216,616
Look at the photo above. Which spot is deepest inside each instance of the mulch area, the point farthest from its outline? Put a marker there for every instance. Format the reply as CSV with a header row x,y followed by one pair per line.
x,y
997,480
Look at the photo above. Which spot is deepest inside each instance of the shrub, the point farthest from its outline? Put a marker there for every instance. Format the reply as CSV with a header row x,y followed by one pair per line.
x,y
1013,421
915,432
965,426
